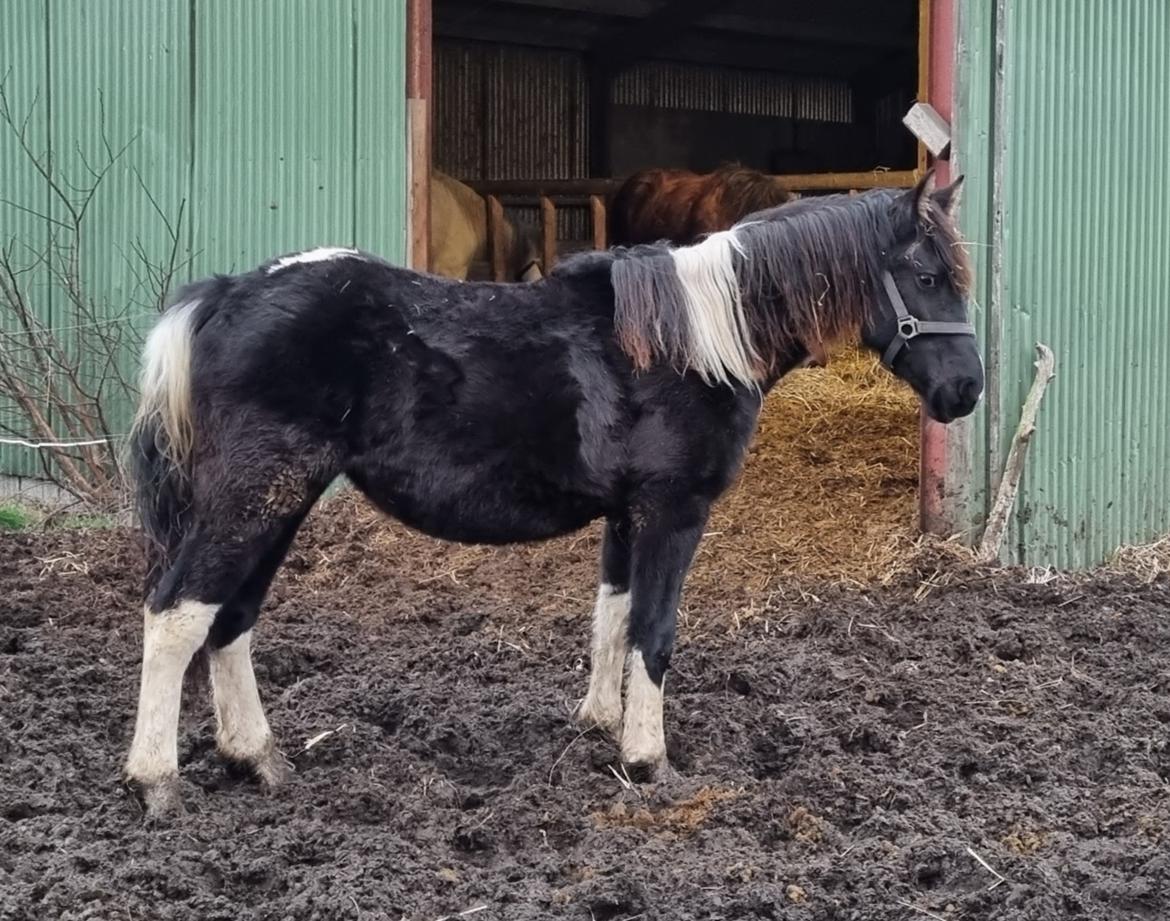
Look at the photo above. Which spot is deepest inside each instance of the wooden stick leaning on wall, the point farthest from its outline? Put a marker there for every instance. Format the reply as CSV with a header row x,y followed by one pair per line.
x,y
1013,468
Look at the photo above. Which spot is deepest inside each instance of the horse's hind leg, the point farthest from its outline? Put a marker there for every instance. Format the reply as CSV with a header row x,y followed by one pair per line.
x,y
171,636
611,614
243,737
215,586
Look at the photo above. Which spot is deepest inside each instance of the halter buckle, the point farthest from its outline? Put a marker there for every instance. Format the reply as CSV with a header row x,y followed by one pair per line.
x,y
908,327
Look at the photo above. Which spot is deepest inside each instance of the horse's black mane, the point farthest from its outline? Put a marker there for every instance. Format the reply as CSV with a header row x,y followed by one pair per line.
x,y
807,271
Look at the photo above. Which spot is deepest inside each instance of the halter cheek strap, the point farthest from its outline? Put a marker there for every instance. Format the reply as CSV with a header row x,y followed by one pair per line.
x,y
910,327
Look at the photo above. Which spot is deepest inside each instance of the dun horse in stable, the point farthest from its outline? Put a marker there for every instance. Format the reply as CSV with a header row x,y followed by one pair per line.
x,y
624,386
460,235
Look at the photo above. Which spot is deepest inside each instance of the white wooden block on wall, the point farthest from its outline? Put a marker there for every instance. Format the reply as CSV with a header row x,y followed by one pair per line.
x,y
929,127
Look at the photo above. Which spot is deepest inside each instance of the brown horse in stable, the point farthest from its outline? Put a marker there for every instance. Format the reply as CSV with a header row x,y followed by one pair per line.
x,y
680,206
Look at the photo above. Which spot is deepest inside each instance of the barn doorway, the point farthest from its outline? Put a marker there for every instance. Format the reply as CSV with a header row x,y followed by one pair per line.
x,y
543,107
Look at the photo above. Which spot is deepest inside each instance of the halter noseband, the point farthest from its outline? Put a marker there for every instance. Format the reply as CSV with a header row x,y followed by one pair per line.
x,y
910,327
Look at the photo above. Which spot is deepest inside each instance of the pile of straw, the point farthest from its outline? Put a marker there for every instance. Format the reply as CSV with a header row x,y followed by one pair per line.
x,y
830,485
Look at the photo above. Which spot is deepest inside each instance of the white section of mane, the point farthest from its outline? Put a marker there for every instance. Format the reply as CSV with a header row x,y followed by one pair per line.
x,y
320,254
721,348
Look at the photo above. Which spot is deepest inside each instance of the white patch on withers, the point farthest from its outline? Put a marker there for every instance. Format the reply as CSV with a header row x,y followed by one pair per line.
x,y
320,254
611,617
643,737
242,734
170,640
165,381
721,348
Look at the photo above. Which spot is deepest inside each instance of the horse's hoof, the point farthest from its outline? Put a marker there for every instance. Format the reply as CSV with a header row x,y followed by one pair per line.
x,y
607,717
642,770
162,799
273,769
269,768
645,757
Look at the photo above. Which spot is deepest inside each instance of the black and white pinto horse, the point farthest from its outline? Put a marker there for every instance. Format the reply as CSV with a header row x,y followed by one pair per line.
x,y
624,386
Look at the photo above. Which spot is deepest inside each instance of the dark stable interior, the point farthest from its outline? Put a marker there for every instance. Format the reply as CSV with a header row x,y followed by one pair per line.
x,y
569,89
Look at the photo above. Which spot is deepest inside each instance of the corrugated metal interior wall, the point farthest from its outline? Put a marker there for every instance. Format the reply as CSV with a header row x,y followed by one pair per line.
x,y
253,129
1069,230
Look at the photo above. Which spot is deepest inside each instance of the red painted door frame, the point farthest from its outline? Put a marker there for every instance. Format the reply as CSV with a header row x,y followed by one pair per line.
x,y
936,86
418,132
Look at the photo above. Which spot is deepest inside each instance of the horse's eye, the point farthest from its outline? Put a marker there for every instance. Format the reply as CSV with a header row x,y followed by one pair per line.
x,y
927,281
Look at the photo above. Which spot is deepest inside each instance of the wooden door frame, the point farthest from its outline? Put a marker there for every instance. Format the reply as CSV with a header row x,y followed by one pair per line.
x,y
419,91
943,479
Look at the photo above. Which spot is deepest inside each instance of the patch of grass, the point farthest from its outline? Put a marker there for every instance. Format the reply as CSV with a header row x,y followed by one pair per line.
x,y
15,518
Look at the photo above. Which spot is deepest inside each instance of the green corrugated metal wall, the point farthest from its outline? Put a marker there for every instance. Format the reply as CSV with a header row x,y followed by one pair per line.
x,y
1068,207
271,125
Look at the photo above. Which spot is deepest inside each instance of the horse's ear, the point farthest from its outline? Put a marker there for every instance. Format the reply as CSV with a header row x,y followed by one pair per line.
x,y
948,199
920,195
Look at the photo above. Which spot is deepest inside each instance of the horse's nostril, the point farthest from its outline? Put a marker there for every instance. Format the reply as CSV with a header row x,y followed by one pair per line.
x,y
969,390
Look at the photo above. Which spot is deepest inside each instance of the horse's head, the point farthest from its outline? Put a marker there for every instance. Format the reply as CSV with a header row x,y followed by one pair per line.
x,y
526,254
920,325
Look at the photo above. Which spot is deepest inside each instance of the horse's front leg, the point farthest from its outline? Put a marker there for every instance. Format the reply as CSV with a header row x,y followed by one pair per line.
x,y
611,624
662,546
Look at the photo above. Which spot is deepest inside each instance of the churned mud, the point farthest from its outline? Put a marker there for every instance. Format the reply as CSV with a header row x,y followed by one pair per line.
x,y
981,749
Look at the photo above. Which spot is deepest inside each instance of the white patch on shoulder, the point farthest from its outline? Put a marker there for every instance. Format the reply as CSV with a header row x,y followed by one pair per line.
x,y
320,254
643,737
603,703
170,639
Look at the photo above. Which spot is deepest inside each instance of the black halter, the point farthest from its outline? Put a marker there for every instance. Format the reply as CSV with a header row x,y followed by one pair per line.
x,y
910,327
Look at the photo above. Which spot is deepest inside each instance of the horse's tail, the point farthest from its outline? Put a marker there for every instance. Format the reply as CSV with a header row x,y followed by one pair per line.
x,y
162,439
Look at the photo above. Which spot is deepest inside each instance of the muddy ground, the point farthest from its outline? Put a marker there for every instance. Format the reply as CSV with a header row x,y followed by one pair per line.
x,y
983,748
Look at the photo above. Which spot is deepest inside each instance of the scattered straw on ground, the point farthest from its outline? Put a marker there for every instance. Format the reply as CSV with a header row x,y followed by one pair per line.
x,y
1146,562
681,817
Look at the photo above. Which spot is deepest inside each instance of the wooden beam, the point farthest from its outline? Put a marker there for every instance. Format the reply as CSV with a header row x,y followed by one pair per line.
x,y
582,189
625,43
597,213
418,113
870,32
923,93
548,233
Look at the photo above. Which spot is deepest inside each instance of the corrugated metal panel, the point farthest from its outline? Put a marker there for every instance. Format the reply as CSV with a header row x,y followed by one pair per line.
x,y
726,89
272,126
507,112
23,43
973,130
274,130
1085,263
380,216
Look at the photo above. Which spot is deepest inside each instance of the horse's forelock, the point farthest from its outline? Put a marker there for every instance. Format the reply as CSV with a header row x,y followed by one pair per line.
x,y
943,234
